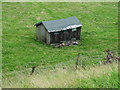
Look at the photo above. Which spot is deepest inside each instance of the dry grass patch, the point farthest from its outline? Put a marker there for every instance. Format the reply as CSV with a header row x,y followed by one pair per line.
x,y
59,77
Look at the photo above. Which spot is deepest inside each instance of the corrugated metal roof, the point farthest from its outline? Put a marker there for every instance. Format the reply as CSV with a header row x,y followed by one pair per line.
x,y
61,24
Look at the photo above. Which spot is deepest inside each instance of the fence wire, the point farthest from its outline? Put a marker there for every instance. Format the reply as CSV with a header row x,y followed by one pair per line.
x,y
84,60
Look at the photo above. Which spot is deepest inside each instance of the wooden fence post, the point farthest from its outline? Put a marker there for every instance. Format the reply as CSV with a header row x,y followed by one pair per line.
x,y
33,69
77,61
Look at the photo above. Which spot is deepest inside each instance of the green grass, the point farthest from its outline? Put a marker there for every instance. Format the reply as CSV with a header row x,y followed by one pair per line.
x,y
20,48
104,76
104,81
22,51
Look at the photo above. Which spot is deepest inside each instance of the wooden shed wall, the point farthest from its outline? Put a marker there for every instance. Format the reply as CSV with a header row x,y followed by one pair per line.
x,y
42,34
56,37
78,33
38,33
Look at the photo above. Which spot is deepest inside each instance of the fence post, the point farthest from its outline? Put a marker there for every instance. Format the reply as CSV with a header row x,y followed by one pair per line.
x,y
33,69
77,61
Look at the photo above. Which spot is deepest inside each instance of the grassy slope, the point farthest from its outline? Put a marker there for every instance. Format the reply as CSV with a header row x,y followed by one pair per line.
x,y
20,49
104,76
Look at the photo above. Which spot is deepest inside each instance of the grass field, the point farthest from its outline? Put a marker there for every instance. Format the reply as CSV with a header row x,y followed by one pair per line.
x,y
104,76
21,50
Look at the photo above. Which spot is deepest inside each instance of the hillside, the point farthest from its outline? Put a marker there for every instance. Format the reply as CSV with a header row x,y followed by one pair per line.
x,y
104,76
22,51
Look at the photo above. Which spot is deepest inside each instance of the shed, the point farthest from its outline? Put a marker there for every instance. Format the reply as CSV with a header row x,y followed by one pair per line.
x,y
57,31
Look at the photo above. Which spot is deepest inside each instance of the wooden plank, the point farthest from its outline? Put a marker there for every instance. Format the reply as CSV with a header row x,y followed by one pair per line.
x,y
61,36
52,38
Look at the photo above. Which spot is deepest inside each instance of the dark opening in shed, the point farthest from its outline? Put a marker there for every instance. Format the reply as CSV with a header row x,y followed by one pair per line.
x,y
56,31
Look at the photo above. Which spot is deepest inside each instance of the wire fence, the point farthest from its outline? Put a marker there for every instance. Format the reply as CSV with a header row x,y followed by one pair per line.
x,y
72,62
84,61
